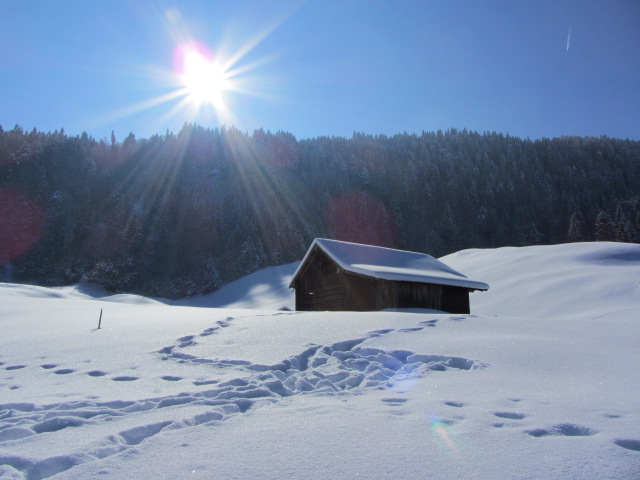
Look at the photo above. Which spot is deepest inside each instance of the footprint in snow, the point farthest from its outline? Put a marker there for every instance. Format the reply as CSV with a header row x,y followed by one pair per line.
x,y
440,422
186,341
454,404
430,323
170,378
377,333
205,382
54,424
15,367
629,444
64,371
48,366
96,373
136,435
209,331
510,415
394,402
124,378
564,429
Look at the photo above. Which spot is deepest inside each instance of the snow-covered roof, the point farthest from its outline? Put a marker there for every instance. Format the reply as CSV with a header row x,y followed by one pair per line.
x,y
389,264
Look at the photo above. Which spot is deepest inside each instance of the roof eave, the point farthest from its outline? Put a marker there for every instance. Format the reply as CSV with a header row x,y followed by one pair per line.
x,y
472,285
302,263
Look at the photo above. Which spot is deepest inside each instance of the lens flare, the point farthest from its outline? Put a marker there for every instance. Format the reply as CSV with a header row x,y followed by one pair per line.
x,y
440,428
21,222
359,217
444,432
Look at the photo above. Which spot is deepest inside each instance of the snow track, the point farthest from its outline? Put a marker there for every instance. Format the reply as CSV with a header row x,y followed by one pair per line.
x,y
319,369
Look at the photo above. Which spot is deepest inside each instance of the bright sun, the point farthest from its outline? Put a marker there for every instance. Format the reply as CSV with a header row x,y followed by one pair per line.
x,y
205,80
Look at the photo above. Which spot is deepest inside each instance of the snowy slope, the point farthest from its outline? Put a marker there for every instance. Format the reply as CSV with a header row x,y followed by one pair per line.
x,y
541,381
266,288
574,279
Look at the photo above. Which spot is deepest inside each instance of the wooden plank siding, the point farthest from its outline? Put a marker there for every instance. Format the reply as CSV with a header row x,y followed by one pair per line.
x,y
456,300
320,285
323,285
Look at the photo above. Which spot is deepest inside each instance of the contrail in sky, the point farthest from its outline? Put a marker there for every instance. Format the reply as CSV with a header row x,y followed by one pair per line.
x,y
569,36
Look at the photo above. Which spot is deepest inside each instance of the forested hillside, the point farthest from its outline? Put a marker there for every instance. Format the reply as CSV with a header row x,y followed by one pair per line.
x,y
181,214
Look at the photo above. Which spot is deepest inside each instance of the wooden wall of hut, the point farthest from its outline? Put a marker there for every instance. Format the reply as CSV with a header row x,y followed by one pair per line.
x,y
323,285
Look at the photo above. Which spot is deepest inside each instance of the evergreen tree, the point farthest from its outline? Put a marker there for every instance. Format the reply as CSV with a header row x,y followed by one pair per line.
x,y
576,228
624,231
605,229
623,227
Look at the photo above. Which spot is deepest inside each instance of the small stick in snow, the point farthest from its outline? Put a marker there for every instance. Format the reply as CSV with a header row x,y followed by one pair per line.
x,y
100,319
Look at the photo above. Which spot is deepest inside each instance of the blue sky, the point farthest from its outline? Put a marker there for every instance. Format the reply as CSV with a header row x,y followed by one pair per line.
x,y
323,67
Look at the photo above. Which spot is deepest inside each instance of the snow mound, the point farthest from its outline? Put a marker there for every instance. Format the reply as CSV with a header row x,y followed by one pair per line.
x,y
574,279
83,291
266,289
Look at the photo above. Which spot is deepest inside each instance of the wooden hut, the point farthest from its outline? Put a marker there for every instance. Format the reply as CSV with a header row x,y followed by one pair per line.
x,y
336,275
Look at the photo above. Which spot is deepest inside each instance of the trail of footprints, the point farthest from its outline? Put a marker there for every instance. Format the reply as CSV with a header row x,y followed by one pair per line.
x,y
319,369
67,371
171,352
511,418
562,429
182,342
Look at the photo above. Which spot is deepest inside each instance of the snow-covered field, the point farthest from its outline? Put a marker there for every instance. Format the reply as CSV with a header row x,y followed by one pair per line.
x,y
541,381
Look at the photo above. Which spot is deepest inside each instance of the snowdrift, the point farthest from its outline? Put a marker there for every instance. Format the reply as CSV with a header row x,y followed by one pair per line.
x,y
574,279
267,288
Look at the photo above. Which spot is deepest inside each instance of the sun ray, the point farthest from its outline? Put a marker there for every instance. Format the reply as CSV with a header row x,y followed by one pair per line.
x,y
135,108
260,36
205,80
238,71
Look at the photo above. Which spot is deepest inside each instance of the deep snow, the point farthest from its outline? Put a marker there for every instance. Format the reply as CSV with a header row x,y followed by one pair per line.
x,y
541,381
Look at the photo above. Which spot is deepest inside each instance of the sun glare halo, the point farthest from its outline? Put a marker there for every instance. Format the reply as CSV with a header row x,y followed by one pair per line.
x,y
204,79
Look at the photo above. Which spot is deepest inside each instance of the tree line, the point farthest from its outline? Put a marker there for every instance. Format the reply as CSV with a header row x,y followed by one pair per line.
x,y
182,214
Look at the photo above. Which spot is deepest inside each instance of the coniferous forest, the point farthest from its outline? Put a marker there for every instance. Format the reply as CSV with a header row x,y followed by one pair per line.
x,y
182,214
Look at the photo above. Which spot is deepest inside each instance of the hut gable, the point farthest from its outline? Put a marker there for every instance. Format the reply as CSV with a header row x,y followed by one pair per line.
x,y
336,275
